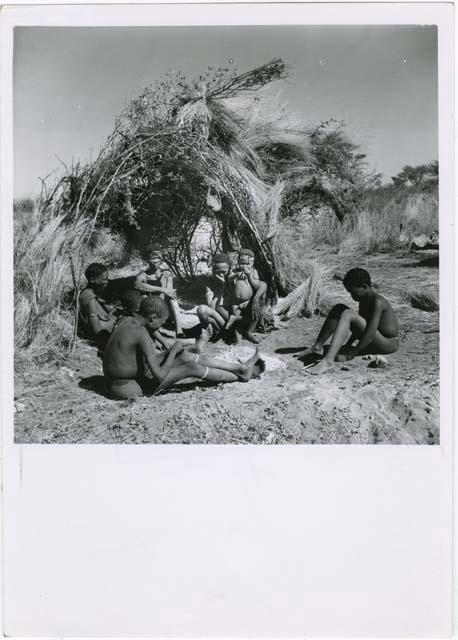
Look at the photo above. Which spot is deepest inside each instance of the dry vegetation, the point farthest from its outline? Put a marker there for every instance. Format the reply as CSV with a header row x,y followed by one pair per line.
x,y
302,198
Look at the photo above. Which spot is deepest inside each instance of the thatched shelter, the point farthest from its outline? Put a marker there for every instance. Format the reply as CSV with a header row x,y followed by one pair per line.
x,y
180,152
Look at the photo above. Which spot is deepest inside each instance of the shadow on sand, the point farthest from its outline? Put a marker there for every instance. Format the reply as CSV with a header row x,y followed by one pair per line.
x,y
96,384
311,358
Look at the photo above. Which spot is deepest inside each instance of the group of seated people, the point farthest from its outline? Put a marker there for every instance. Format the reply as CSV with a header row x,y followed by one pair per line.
x,y
139,359
148,301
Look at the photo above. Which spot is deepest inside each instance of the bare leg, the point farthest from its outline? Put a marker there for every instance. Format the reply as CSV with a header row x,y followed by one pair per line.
x,y
244,370
248,333
175,313
327,330
232,319
207,316
202,340
349,321
213,370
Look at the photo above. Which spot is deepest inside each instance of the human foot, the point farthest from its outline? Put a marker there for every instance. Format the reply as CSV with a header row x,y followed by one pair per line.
x,y
253,367
230,322
320,367
316,350
252,338
203,339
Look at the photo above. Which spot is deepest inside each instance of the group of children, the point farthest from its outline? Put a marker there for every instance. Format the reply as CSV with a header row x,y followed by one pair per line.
x,y
235,300
138,359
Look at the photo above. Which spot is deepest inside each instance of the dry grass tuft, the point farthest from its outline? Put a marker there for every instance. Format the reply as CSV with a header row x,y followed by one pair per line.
x,y
44,245
423,300
291,254
383,224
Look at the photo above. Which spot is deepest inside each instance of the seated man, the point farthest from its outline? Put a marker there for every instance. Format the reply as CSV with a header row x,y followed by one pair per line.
x,y
159,281
96,317
130,348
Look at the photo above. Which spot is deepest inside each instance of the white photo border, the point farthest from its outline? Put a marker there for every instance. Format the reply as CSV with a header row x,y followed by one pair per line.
x,y
228,541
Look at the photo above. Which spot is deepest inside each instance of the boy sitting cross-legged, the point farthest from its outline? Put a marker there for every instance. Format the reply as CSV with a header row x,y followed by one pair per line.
x,y
130,348
375,326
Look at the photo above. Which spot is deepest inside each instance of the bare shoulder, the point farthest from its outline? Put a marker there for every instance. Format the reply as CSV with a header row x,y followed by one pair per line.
x,y
86,296
381,302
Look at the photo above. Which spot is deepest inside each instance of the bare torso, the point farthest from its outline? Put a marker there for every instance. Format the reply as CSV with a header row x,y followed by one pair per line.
x,y
241,290
389,325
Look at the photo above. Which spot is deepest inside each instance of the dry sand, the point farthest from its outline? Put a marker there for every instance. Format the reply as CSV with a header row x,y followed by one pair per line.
x,y
354,403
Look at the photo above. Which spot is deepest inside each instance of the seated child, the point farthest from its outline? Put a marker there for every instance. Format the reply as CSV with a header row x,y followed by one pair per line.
x,y
159,281
245,290
96,317
214,295
374,326
130,347
249,253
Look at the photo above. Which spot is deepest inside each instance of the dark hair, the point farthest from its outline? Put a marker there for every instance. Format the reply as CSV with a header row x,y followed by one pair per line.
x,y
221,257
246,252
131,301
357,278
95,270
153,305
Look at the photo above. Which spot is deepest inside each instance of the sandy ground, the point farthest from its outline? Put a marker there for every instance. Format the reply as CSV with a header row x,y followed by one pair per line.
x,y
353,404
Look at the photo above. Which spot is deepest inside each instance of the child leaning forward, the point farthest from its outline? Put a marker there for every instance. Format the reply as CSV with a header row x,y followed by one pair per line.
x,y
374,327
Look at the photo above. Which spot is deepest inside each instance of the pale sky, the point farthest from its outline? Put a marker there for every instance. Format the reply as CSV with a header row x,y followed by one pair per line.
x,y
70,83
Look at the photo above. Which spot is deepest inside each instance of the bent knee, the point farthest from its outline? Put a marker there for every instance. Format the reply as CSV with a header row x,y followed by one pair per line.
x,y
202,311
337,310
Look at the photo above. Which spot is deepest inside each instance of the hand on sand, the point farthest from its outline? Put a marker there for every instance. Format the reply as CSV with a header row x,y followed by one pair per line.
x,y
345,354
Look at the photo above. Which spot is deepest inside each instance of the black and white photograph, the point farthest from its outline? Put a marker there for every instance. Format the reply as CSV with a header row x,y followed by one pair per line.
x,y
226,235
227,224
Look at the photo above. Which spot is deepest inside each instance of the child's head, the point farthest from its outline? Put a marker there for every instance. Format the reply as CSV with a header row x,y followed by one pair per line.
x,y
221,264
249,254
357,282
131,301
155,259
244,260
155,311
97,275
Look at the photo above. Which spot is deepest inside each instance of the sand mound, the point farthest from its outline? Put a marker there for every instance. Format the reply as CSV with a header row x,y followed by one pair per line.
x,y
241,353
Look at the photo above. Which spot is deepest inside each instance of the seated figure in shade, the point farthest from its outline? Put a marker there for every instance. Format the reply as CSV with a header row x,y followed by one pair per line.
x,y
158,280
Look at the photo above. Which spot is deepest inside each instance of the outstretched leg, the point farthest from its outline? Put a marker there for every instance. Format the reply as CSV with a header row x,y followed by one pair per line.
x,y
327,330
212,369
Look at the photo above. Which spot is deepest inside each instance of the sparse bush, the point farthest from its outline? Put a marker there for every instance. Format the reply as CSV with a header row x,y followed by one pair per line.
x,y
381,224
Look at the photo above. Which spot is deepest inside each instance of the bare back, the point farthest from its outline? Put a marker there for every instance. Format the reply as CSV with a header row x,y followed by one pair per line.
x,y
123,356
388,325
